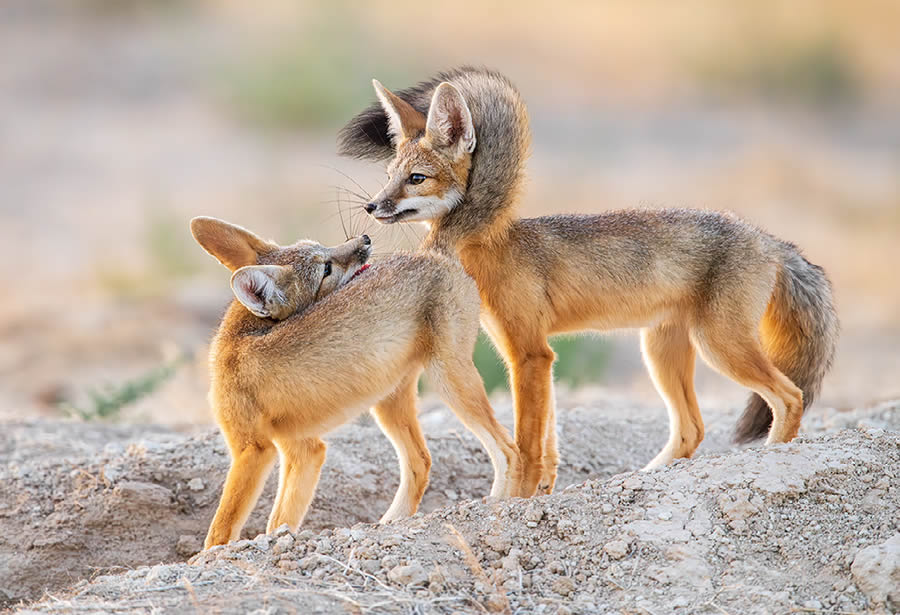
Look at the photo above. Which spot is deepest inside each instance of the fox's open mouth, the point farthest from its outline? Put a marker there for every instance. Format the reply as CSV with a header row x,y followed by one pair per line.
x,y
397,217
360,270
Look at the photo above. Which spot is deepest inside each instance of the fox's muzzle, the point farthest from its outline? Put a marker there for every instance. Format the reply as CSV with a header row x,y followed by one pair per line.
x,y
381,208
354,250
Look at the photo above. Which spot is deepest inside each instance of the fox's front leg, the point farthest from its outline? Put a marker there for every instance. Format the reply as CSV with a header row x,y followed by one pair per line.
x,y
301,464
531,380
250,465
550,460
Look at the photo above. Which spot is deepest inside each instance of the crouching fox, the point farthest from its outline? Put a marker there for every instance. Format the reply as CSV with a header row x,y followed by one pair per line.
x,y
313,338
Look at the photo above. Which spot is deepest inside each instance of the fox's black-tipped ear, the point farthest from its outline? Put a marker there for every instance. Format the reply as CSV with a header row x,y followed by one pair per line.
x,y
231,245
449,121
404,122
367,136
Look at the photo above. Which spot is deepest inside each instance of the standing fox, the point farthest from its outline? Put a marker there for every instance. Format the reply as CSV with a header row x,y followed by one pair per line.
x,y
693,281
312,340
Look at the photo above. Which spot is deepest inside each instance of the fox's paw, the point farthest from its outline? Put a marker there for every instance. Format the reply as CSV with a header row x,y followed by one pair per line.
x,y
548,475
545,487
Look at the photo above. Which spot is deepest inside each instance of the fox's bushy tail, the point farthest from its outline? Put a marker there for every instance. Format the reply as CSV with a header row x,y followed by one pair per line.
x,y
799,333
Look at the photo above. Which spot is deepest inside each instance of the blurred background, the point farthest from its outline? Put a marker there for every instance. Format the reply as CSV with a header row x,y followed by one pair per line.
x,y
122,119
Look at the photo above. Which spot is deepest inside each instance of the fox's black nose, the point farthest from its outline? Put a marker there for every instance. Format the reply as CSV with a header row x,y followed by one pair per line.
x,y
366,240
370,207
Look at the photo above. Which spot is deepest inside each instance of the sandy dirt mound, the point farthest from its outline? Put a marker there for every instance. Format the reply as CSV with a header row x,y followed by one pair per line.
x,y
754,530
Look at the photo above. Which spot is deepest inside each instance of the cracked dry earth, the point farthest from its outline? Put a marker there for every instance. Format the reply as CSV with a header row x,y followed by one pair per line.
x,y
97,518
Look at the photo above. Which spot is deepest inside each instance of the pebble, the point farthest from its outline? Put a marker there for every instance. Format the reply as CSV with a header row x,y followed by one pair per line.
x,y
633,483
188,545
196,484
812,604
563,586
411,574
616,549
284,543
876,571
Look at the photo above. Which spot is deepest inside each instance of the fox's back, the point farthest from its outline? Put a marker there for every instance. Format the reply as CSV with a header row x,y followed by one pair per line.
x,y
642,261
384,318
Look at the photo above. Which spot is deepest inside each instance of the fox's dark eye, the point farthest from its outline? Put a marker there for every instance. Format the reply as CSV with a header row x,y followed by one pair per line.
x,y
327,269
417,178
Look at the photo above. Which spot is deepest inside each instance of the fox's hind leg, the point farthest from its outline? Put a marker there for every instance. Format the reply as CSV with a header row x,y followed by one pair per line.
x,y
301,463
397,416
251,461
740,356
669,357
461,387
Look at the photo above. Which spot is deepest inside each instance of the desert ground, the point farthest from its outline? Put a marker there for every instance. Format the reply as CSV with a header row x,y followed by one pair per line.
x,y
111,518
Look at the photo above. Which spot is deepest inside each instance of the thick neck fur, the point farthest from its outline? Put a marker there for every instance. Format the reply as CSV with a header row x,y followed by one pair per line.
x,y
240,322
503,141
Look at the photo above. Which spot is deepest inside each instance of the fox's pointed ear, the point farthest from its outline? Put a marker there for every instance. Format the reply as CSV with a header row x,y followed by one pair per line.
x,y
404,122
258,288
233,246
449,120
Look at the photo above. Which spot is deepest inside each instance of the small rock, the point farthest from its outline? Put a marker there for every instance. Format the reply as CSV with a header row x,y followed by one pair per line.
x,y
738,505
188,545
497,603
196,484
533,512
324,546
284,543
411,574
140,495
563,586
634,483
616,549
282,530
262,542
162,574
876,571
499,543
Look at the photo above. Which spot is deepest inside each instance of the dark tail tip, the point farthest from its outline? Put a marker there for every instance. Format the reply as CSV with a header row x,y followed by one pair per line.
x,y
754,422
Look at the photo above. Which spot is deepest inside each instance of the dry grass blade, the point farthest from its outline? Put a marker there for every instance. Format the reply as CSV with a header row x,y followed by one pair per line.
x,y
498,602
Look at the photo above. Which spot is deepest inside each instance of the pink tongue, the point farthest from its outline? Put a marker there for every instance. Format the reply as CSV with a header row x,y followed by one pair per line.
x,y
361,269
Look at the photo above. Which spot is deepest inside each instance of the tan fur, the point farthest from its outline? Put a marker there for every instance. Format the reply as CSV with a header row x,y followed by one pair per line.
x,y
348,343
695,282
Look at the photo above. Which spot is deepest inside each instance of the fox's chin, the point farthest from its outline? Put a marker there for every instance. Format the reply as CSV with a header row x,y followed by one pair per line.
x,y
353,271
407,215
421,209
